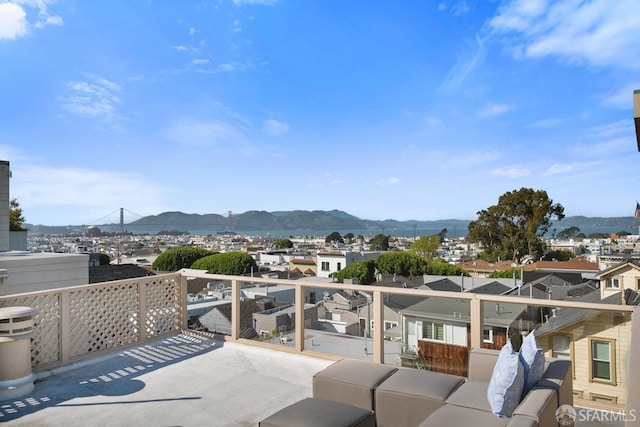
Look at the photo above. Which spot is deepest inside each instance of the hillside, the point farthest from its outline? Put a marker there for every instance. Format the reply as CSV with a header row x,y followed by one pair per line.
x,y
301,222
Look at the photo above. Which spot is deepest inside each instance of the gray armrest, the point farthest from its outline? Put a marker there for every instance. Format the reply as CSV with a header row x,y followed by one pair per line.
x,y
481,364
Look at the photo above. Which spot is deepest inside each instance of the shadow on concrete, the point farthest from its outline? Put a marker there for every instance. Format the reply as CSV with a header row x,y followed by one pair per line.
x,y
114,374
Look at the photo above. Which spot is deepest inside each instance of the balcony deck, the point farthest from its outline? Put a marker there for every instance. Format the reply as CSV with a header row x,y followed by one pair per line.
x,y
180,380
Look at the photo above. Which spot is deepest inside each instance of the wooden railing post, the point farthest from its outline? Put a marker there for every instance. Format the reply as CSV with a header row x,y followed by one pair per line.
x,y
65,329
299,331
476,317
142,310
378,327
183,281
235,309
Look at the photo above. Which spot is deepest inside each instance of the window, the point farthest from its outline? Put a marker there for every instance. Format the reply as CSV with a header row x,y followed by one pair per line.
x,y
339,266
612,283
312,297
603,398
433,331
325,266
602,356
388,325
487,335
561,347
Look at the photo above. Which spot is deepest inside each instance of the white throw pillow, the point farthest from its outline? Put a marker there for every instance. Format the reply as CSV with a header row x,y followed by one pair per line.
x,y
532,359
507,382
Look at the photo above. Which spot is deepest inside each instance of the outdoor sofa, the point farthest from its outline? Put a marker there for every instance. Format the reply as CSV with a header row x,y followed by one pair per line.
x,y
360,393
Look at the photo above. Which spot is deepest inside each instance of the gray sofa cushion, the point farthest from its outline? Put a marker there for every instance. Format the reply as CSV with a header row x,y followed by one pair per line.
x,y
472,394
457,416
408,396
312,412
351,381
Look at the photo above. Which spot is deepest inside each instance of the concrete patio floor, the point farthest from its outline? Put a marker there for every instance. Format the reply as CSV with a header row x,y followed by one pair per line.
x,y
182,380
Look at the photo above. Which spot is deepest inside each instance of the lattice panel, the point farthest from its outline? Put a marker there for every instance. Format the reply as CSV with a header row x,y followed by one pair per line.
x,y
104,317
45,343
164,306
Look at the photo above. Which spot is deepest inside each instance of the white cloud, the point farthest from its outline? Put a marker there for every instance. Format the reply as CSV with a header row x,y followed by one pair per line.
x,y
263,2
460,8
394,180
275,127
200,61
546,123
493,110
622,98
511,172
465,64
13,22
597,32
95,98
201,132
558,168
433,121
85,194
180,48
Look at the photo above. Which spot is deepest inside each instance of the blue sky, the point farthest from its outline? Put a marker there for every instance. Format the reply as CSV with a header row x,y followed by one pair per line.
x,y
408,110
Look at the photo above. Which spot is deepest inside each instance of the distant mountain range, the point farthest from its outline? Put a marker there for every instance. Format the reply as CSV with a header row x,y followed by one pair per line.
x,y
300,222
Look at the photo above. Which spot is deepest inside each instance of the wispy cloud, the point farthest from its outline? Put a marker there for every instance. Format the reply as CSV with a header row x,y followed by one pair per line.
x,y
15,19
511,172
96,97
465,64
546,123
89,193
394,180
262,2
201,132
558,168
621,98
597,32
493,110
460,8
275,127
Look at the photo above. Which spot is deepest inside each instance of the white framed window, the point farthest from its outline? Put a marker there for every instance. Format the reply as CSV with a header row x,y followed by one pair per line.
x,y
389,324
612,283
487,335
324,266
432,331
339,266
602,357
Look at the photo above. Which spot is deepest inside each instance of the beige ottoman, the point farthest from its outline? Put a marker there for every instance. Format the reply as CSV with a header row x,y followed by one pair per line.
x,y
409,396
351,381
312,412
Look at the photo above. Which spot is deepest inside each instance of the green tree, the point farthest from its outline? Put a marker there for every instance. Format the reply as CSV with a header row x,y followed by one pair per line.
x,y
402,263
16,219
559,255
105,259
505,274
442,234
181,257
426,246
334,237
568,233
364,271
379,242
283,244
349,236
440,267
514,227
232,263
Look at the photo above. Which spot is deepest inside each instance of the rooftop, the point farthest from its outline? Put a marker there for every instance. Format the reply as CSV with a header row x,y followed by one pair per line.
x,y
180,380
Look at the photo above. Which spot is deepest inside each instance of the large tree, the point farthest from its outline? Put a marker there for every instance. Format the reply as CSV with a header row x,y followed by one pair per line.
x,y
426,246
334,237
181,257
514,227
233,263
16,219
379,242
283,244
364,271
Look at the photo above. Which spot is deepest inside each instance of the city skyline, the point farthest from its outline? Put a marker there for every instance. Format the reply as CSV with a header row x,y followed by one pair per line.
x,y
410,111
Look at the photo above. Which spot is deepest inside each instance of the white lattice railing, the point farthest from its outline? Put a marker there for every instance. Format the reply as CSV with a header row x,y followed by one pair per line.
x,y
82,321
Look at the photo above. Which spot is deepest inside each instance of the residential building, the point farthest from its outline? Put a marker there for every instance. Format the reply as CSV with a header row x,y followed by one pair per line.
x,y
331,262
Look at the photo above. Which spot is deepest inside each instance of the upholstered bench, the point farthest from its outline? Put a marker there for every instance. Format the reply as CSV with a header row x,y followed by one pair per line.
x,y
409,396
351,381
312,412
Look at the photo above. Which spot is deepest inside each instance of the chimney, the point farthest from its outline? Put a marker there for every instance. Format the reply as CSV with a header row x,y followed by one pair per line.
x,y
4,205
